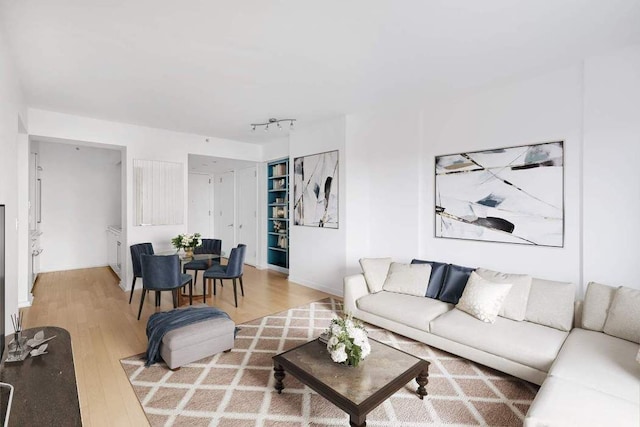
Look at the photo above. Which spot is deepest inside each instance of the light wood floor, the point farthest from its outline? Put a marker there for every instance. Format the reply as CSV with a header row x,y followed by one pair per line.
x,y
104,328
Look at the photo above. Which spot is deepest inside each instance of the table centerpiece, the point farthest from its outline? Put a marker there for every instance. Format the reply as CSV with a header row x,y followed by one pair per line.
x,y
347,341
187,242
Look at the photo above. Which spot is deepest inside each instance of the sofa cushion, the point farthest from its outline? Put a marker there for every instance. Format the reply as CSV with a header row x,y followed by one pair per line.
x,y
564,403
551,304
601,362
596,304
438,272
410,279
515,305
408,310
523,342
375,272
483,299
623,319
454,282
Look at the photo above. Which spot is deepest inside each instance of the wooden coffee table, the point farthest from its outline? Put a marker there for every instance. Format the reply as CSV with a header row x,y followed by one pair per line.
x,y
357,391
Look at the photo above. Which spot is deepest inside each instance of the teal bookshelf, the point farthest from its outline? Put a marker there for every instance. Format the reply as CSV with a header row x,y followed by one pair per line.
x,y
278,213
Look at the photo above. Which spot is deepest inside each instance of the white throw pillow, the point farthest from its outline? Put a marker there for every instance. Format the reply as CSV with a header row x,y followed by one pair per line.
x,y
623,320
375,272
515,304
597,301
410,279
483,299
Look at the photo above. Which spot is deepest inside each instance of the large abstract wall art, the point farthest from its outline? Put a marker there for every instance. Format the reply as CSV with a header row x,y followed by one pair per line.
x,y
513,195
315,190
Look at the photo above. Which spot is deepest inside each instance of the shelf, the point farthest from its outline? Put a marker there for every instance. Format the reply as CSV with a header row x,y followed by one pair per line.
x,y
278,204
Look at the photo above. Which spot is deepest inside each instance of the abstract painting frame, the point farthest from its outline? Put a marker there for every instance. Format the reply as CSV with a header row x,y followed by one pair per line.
x,y
316,190
507,195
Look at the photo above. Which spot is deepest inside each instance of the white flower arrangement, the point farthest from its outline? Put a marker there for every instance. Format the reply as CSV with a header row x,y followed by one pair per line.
x,y
187,241
347,341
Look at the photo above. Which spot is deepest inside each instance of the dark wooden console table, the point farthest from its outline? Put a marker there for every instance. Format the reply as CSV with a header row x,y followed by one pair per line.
x,y
45,390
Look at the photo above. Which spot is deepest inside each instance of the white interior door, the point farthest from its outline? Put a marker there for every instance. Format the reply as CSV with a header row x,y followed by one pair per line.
x,y
225,213
247,212
200,205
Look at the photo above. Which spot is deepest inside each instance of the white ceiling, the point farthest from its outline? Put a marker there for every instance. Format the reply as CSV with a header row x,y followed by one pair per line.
x,y
213,67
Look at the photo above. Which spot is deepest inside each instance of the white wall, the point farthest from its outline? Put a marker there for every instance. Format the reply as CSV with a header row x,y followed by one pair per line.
x,y
593,107
80,198
140,143
316,255
12,109
383,186
611,171
277,148
390,191
543,109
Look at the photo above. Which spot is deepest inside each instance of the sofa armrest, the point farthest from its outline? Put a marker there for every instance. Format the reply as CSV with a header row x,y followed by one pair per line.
x,y
355,286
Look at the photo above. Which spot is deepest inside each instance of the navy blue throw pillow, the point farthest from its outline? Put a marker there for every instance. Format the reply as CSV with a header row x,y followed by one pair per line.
x,y
454,283
438,273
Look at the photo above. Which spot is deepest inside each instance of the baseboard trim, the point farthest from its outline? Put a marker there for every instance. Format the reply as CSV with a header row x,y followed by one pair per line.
x,y
316,286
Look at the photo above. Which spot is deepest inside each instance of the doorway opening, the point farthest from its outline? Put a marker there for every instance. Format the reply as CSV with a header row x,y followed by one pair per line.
x,y
223,202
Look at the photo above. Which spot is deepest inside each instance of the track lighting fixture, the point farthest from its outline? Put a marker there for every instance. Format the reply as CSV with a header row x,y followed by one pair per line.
x,y
254,126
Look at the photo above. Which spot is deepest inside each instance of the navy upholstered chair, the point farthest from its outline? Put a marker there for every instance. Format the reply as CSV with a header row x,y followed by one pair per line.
x,y
162,273
233,271
209,246
136,251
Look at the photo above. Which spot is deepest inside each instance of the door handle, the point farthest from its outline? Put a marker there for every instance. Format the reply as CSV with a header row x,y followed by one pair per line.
x,y
230,225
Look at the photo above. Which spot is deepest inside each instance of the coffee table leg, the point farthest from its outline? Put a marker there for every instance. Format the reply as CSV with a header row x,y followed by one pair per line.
x,y
422,379
357,421
278,373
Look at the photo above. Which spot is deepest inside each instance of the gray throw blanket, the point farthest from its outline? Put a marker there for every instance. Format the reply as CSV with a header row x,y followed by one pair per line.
x,y
161,323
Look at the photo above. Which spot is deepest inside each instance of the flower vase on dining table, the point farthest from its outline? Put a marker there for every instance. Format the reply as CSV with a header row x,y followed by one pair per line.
x,y
188,252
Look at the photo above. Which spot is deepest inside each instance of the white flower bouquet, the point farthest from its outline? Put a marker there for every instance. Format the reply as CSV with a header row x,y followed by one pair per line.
x,y
347,341
187,241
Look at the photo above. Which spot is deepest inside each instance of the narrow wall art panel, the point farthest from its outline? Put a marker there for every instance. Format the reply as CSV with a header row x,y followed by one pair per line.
x,y
512,195
315,190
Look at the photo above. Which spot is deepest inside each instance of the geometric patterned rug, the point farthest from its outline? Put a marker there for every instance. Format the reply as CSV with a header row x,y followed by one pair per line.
x,y
237,388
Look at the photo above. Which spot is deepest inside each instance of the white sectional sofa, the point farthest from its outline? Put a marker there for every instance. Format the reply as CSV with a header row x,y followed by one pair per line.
x,y
595,380
588,377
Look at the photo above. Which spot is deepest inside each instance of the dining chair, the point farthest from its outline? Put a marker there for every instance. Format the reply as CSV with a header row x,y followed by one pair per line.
x,y
209,246
233,270
136,251
162,273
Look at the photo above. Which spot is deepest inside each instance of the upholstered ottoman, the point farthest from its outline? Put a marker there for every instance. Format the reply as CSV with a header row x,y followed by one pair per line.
x,y
196,341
